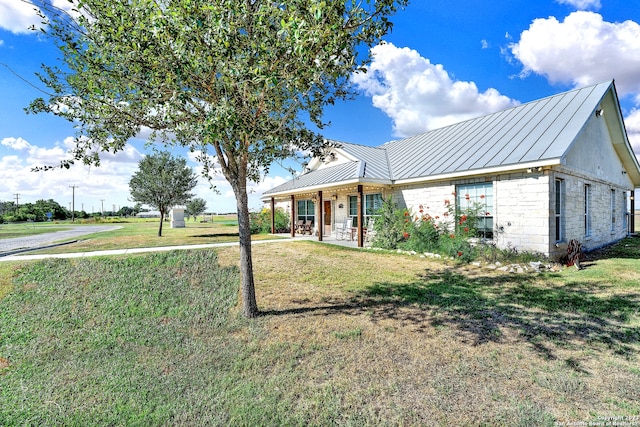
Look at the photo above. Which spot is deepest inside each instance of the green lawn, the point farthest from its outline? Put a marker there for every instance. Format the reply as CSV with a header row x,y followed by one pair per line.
x,y
348,337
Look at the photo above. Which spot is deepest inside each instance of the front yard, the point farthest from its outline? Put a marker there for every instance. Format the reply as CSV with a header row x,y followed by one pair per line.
x,y
348,337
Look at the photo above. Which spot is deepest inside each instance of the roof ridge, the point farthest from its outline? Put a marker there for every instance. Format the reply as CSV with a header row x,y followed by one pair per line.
x,y
356,144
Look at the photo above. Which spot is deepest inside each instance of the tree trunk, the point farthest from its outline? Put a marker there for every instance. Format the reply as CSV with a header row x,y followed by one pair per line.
x,y
161,221
249,304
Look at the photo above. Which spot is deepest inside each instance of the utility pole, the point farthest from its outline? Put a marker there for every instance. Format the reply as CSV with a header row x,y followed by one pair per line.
x,y
17,203
73,202
102,207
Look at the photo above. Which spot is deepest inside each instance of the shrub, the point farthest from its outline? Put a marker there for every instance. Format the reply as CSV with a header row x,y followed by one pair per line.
x,y
261,221
390,226
447,233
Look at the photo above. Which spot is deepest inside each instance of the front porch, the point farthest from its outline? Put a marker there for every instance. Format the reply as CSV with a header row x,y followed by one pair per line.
x,y
349,207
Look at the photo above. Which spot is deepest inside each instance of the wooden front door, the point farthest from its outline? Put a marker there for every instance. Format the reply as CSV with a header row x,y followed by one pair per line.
x,y
327,217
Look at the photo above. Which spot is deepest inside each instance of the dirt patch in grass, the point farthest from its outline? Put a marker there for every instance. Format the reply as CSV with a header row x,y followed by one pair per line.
x,y
4,364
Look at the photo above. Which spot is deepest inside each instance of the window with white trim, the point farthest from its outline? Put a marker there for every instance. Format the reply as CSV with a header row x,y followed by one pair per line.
x,y
624,210
559,210
613,210
587,210
470,196
306,211
372,203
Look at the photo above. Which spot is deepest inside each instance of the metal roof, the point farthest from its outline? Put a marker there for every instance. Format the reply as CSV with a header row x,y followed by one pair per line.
x,y
536,131
540,131
329,175
376,160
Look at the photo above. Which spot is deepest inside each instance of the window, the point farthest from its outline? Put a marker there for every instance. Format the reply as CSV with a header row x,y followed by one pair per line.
x,y
353,209
470,196
624,211
372,202
587,210
306,210
559,210
613,210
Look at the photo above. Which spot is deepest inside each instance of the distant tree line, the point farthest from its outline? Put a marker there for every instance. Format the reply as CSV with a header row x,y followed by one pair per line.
x,y
45,210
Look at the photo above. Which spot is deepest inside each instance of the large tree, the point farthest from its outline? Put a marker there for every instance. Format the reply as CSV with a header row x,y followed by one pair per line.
x,y
162,181
236,81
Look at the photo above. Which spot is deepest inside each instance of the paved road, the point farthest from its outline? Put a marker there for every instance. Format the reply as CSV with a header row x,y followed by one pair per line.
x,y
38,240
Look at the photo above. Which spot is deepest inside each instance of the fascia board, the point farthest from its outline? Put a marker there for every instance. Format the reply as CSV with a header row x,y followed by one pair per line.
x,y
319,187
485,171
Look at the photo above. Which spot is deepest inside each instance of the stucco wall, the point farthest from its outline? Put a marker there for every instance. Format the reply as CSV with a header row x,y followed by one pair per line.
x,y
593,155
593,161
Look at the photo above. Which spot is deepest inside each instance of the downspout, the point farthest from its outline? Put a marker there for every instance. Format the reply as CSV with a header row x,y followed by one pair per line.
x,y
273,216
360,217
293,216
632,220
320,223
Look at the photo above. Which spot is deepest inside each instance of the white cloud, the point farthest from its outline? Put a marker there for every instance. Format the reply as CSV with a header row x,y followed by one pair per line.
x,y
109,182
17,16
632,123
582,4
15,143
419,95
582,50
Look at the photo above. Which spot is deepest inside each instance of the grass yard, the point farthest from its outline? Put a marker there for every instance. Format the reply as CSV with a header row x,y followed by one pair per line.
x,y
348,337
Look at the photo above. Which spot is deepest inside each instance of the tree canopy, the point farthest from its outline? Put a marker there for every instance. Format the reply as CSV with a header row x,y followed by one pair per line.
x,y
195,207
162,181
235,81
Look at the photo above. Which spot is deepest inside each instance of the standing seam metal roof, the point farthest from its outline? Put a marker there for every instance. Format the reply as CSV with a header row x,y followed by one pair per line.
x,y
536,131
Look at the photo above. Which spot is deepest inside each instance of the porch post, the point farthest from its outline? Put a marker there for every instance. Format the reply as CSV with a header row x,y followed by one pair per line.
x,y
320,223
632,219
360,217
293,216
273,216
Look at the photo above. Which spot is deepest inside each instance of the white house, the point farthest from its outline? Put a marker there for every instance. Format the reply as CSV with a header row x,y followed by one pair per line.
x,y
547,171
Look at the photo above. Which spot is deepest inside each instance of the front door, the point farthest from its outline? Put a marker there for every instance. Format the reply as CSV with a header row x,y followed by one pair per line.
x,y
327,217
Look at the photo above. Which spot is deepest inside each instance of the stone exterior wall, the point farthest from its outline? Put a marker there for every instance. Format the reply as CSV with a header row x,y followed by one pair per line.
x,y
521,206
607,226
523,211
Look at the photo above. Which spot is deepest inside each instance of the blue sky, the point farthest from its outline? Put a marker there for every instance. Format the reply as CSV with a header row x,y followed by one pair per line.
x,y
445,61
